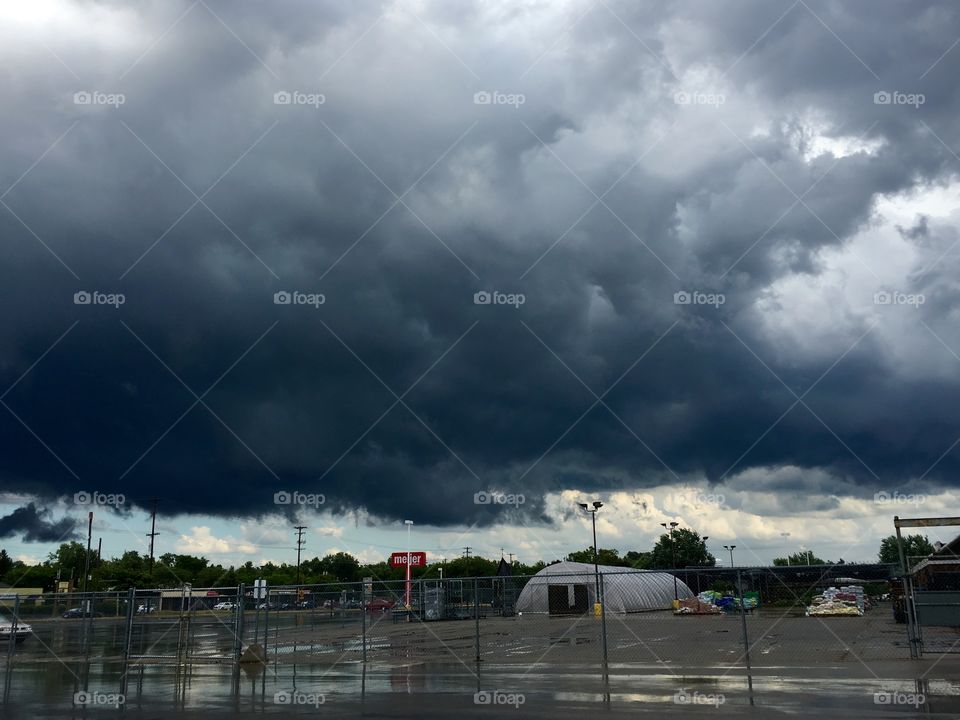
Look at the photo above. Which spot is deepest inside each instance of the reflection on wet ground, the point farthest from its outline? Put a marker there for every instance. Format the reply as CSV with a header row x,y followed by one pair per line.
x,y
56,689
528,665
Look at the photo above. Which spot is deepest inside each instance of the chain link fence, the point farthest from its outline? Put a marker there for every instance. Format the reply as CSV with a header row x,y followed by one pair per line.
x,y
721,620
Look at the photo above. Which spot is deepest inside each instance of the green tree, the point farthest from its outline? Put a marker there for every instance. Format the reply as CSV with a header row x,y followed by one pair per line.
x,y
915,547
343,566
685,549
605,556
128,570
638,559
69,557
804,557
5,563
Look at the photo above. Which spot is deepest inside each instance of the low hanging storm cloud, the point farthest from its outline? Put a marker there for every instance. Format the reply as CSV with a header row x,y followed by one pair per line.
x,y
34,525
395,254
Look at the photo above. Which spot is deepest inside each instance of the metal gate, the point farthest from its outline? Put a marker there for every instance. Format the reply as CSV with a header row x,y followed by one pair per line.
x,y
938,609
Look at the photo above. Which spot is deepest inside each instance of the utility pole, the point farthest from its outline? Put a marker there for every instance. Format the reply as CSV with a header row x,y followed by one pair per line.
x,y
511,559
466,551
86,565
153,527
299,529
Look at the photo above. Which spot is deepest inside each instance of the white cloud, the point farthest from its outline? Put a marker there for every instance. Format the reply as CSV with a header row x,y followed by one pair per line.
x,y
201,541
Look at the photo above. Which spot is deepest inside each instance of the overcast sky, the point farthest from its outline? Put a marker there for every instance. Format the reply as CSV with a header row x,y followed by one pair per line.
x,y
695,259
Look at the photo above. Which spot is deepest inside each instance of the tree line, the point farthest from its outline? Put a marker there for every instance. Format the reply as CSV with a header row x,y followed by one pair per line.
x,y
131,569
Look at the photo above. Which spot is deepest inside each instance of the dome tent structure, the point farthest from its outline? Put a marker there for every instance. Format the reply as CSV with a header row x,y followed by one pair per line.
x,y
570,588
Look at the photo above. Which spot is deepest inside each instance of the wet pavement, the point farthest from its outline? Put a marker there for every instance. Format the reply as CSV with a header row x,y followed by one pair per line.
x,y
472,690
531,667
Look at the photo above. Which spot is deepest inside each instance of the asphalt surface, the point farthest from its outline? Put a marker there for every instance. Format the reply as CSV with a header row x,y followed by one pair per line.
x,y
530,666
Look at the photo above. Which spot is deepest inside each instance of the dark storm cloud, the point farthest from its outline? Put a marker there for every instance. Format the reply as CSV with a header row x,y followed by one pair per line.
x,y
398,393
33,526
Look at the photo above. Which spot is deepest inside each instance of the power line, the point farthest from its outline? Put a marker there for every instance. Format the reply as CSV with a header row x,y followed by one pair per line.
x,y
466,551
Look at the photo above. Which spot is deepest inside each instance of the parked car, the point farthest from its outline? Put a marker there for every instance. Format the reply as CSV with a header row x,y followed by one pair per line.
x,y
380,605
81,612
266,606
6,630
144,609
306,605
226,605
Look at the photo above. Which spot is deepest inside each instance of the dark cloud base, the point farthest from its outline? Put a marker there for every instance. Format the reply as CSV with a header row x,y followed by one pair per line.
x,y
297,397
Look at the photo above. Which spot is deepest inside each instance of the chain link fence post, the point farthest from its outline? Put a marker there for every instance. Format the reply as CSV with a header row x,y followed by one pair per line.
x,y
476,615
238,628
8,670
12,642
128,638
603,622
363,621
746,639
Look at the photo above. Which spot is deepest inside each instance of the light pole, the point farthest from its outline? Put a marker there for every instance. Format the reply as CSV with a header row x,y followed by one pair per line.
x,y
596,577
673,559
409,524
596,569
785,536
730,548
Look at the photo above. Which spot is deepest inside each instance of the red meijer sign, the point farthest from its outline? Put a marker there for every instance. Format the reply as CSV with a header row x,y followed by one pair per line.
x,y
417,559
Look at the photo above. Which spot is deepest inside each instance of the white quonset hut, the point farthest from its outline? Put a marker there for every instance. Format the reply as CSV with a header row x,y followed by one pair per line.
x,y
569,588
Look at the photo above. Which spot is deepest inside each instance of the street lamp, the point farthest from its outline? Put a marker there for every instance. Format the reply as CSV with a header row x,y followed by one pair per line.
x,y
593,516
673,559
786,535
730,548
596,578
409,524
